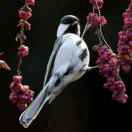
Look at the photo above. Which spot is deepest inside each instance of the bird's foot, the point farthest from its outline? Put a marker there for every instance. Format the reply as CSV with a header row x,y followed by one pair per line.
x,y
93,67
52,97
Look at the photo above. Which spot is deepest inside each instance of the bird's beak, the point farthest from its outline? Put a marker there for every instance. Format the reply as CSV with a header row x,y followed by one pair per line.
x,y
61,29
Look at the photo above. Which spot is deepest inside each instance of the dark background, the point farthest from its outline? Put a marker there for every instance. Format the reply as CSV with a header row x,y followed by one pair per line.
x,y
84,106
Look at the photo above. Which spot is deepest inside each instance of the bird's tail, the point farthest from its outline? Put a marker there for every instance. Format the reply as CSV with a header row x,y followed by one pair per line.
x,y
34,108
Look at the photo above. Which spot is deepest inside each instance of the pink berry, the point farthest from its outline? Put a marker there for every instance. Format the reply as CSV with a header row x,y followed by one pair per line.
x,y
24,99
109,67
17,78
25,15
92,19
96,20
102,20
21,106
13,97
124,45
120,98
16,87
126,68
21,95
23,51
30,2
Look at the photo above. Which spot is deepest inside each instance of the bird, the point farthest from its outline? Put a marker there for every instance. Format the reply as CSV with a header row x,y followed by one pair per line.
x,y
70,61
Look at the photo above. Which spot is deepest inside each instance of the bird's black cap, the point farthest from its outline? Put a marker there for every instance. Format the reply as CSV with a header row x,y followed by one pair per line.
x,y
69,19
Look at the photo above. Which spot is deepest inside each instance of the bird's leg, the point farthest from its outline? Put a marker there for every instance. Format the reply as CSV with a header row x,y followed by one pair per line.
x,y
93,67
89,68
55,93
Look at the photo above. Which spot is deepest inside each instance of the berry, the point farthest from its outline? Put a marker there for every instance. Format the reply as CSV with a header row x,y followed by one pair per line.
x,y
96,20
21,95
109,67
23,51
30,2
124,45
25,15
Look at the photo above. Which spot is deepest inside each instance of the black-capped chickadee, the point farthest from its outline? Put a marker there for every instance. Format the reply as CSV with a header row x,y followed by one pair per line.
x,y
71,61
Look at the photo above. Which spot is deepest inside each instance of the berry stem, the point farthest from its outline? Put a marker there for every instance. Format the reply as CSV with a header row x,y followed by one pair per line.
x,y
100,28
87,26
19,66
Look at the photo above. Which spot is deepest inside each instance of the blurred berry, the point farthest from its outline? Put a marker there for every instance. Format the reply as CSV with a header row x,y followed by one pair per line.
x,y
21,95
109,67
96,20
30,2
25,15
124,45
23,51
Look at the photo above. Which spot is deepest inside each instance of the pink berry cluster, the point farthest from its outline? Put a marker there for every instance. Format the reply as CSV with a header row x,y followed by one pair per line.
x,y
107,61
24,14
20,95
93,18
109,67
124,45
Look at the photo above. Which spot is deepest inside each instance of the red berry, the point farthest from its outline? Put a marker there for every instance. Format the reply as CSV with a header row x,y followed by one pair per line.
x,y
21,106
109,67
16,87
30,2
13,97
92,19
17,78
96,20
102,20
25,15
124,45
23,51
120,98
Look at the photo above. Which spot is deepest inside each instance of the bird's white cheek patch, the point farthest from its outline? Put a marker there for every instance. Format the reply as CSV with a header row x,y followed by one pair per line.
x,y
61,29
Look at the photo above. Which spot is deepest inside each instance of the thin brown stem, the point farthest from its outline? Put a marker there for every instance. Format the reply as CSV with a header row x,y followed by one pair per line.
x,y
19,66
87,26
100,28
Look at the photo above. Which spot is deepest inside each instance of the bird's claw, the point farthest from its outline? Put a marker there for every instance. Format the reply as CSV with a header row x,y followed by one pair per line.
x,y
52,98
94,67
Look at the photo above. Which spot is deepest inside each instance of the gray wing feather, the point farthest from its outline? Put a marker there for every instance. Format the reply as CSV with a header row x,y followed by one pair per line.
x,y
51,59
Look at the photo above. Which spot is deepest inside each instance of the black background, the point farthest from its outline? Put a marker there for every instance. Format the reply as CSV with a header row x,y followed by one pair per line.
x,y
84,106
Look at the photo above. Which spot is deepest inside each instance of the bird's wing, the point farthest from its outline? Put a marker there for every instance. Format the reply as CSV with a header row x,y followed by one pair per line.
x,y
51,58
69,52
